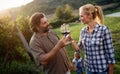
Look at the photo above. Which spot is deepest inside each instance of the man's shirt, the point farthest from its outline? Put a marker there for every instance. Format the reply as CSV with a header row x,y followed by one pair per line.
x,y
42,44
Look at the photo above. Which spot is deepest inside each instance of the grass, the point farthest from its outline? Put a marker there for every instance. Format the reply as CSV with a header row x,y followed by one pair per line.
x,y
114,25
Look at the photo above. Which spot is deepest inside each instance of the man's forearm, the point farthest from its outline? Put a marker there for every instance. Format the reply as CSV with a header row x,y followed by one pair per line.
x,y
49,56
110,68
46,58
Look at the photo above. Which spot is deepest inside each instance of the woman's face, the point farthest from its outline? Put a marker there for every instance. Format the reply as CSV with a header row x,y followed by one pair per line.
x,y
84,18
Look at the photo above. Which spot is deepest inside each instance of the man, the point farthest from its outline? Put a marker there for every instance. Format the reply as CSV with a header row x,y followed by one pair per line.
x,y
46,47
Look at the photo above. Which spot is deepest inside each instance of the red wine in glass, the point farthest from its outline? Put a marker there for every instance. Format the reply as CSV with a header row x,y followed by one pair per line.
x,y
66,33
65,29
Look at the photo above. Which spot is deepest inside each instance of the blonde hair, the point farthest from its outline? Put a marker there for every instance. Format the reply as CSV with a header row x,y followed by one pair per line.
x,y
96,11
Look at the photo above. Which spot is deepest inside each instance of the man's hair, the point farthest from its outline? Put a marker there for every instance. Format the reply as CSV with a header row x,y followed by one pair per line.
x,y
35,20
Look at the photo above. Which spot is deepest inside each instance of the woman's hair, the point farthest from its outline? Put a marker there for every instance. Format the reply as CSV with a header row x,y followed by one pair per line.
x,y
35,20
96,11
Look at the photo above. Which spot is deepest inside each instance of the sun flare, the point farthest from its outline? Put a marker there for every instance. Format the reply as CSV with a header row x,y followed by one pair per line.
x,y
5,4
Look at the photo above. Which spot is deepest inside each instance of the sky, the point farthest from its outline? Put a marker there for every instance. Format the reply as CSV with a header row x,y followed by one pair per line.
x,y
5,4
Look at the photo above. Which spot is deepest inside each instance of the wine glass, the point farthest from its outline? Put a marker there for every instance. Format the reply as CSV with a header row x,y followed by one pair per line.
x,y
65,29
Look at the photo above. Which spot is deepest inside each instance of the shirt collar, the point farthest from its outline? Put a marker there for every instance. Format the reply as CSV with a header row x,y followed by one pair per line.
x,y
39,35
95,28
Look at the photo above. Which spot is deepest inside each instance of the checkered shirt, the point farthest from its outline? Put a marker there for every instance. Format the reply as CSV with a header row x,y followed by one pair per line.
x,y
99,51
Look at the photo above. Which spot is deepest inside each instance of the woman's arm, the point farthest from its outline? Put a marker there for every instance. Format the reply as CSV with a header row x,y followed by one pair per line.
x,y
109,50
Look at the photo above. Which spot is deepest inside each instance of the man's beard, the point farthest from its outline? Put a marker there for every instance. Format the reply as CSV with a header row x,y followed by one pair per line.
x,y
46,30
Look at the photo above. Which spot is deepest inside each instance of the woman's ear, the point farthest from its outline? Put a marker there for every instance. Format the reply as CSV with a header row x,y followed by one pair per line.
x,y
90,16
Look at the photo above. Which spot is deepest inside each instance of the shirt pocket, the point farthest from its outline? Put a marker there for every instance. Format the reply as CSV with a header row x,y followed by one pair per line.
x,y
96,41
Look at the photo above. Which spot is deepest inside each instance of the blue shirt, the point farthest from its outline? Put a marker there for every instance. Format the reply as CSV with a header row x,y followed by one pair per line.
x,y
78,64
99,51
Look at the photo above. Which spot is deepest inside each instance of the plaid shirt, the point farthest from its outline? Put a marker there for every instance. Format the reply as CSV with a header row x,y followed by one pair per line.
x,y
99,51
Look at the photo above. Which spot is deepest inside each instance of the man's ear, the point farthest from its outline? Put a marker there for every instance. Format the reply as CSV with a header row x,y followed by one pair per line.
x,y
37,28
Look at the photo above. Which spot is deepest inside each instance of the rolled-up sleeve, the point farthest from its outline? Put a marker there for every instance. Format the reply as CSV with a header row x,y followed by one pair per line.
x,y
36,51
109,50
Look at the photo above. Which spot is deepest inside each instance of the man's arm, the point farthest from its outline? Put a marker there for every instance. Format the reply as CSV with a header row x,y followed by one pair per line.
x,y
47,57
110,69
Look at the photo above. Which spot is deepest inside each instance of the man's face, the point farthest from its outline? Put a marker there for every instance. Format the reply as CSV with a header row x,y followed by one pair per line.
x,y
44,25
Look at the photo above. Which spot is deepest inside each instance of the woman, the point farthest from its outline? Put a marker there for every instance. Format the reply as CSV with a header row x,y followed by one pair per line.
x,y
96,40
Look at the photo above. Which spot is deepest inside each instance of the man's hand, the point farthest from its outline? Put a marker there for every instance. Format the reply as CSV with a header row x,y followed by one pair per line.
x,y
71,66
110,69
64,41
